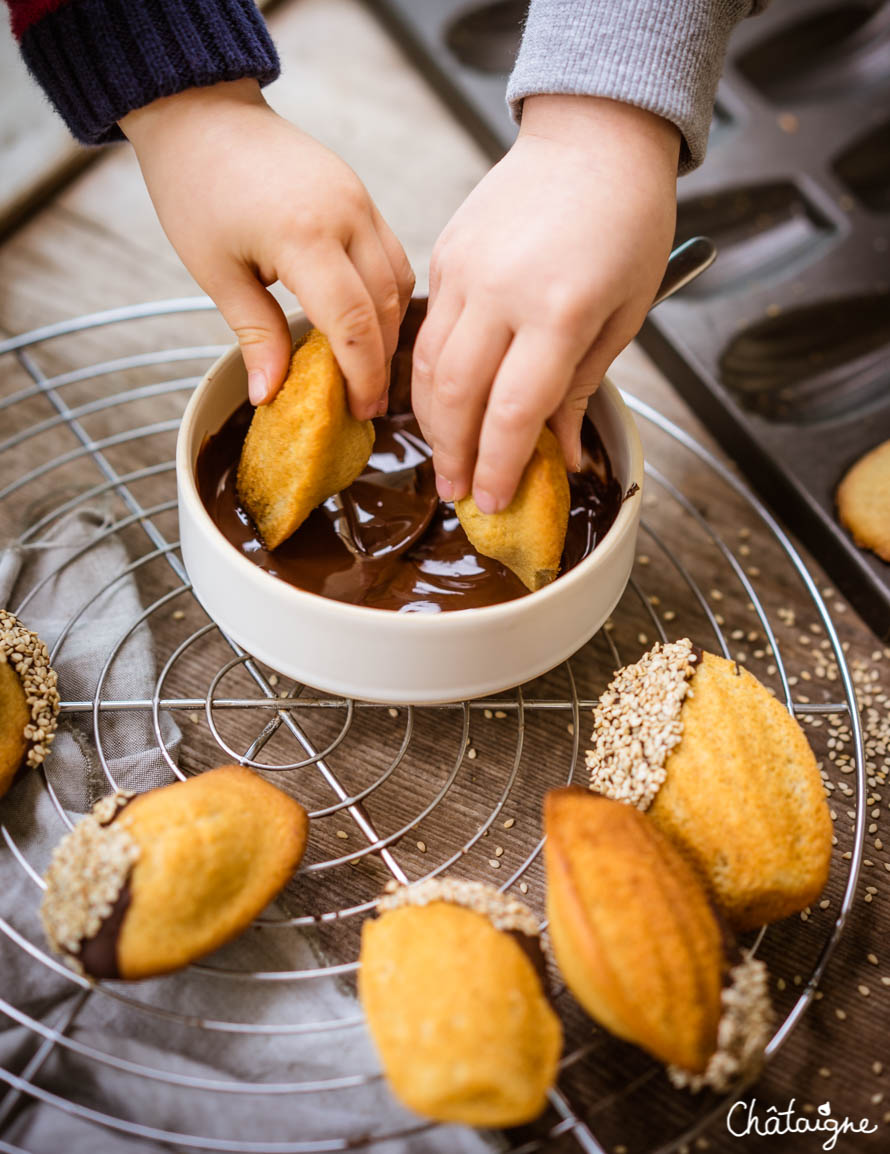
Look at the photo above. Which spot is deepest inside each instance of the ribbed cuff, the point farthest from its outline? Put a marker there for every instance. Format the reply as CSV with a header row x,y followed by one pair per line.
x,y
662,55
97,60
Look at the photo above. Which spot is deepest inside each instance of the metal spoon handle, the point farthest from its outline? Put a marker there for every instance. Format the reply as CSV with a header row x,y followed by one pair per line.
x,y
685,263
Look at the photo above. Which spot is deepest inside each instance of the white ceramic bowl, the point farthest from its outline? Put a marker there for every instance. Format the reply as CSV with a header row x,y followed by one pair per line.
x,y
375,654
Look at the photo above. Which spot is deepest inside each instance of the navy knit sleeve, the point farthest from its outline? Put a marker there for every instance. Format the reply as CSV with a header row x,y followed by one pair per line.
x,y
97,60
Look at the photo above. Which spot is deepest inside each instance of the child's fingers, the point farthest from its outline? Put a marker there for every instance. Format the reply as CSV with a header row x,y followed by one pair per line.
x,y
617,332
338,303
366,252
434,331
399,263
462,380
530,385
256,318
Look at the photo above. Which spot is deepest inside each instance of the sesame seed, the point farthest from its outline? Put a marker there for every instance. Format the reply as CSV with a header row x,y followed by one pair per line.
x,y
421,845
523,887
494,863
873,959
471,754
29,659
178,614
509,823
503,911
499,713
488,714
841,1014
824,1072
628,756
342,834
864,990
877,1067
392,711
498,851
273,679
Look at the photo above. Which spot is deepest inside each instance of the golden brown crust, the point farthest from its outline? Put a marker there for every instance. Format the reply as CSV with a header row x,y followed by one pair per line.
x,y
302,447
632,929
863,501
743,799
213,851
15,716
458,1015
529,535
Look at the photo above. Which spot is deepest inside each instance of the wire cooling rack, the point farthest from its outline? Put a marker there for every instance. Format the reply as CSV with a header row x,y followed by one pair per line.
x,y
394,793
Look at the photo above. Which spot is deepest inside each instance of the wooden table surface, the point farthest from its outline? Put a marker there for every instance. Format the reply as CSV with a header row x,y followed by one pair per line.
x,y
97,245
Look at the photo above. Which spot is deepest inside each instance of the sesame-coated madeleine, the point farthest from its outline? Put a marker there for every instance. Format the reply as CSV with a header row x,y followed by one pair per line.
x,y
725,771
633,932
144,885
29,700
303,446
452,983
530,534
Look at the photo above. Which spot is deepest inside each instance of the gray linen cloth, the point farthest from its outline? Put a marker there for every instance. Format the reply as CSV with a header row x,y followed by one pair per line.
x,y
193,1061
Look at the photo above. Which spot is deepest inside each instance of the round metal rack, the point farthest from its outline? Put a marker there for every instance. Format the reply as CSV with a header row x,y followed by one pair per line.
x,y
393,793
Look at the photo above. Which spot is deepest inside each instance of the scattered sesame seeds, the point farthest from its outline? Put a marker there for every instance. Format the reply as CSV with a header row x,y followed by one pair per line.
x,y
88,869
637,723
504,912
29,658
745,1028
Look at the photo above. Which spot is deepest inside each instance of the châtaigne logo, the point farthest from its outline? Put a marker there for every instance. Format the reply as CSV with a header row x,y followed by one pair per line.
x,y
745,1118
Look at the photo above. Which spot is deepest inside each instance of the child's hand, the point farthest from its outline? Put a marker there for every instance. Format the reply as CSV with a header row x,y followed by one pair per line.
x,y
539,280
247,199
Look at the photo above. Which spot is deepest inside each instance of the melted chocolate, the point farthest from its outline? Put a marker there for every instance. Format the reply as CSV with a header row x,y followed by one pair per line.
x,y
414,557
98,955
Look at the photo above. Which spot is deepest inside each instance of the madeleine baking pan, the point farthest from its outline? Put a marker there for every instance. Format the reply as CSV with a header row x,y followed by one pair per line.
x,y
783,347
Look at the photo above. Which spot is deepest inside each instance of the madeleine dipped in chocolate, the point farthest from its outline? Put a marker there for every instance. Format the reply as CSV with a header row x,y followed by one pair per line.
x,y
29,699
453,988
529,535
640,946
303,446
144,885
632,929
724,771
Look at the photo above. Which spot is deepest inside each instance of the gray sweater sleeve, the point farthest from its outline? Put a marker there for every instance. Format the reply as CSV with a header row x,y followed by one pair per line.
x,y
662,55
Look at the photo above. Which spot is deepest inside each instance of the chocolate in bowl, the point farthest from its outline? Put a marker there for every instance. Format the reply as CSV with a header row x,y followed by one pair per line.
x,y
415,556
398,658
